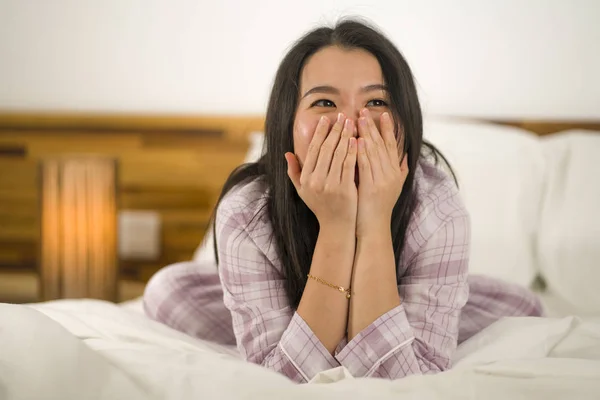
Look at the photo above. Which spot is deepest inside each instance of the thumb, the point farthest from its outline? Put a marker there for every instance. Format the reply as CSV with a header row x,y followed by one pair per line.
x,y
293,169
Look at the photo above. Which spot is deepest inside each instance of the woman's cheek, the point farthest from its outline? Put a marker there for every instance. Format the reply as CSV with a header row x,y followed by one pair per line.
x,y
304,130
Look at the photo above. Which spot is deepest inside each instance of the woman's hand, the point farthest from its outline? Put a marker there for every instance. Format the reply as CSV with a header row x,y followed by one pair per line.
x,y
326,181
381,174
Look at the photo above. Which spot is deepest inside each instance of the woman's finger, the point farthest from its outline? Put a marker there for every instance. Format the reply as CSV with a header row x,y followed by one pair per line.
x,y
389,137
404,165
315,145
371,149
335,172
293,170
364,165
350,162
375,135
328,147
387,161
401,142
404,169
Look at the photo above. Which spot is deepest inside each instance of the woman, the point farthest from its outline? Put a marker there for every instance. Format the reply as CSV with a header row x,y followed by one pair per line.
x,y
344,244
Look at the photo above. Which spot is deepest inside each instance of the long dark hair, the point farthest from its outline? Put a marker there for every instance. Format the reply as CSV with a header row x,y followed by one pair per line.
x,y
295,227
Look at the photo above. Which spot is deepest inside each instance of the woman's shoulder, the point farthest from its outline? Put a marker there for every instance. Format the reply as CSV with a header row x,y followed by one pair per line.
x,y
438,200
242,220
245,203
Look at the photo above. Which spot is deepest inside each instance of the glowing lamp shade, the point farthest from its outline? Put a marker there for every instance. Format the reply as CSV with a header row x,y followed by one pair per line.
x,y
78,228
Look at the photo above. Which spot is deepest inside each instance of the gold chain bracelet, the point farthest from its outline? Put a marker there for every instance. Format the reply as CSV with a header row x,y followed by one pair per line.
x,y
339,288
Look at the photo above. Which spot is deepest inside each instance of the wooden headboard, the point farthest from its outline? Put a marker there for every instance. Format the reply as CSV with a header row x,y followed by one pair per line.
x,y
170,164
543,128
174,165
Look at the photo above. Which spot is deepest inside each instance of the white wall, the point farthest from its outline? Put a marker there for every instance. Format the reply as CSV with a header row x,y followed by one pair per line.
x,y
492,58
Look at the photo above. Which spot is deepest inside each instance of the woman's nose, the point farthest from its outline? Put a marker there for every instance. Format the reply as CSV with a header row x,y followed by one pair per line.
x,y
352,112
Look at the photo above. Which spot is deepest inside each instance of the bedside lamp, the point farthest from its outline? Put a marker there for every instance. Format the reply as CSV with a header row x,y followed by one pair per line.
x,y
78,228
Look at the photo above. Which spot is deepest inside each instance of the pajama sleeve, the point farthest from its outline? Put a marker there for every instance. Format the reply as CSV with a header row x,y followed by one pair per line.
x,y
420,335
268,331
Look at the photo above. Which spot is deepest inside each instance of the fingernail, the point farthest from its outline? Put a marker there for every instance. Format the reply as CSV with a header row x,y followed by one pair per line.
x,y
385,116
340,117
362,121
352,142
348,124
364,112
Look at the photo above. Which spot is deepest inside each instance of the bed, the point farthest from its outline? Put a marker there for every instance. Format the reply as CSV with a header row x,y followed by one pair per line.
x,y
540,215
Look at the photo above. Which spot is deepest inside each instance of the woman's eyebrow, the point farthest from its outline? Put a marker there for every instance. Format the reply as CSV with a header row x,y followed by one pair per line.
x,y
322,89
331,90
370,88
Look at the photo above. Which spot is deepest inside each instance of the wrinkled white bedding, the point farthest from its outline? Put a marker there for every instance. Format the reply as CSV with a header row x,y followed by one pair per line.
x,y
87,349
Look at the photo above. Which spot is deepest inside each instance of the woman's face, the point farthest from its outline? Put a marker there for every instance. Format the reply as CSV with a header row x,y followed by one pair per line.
x,y
335,81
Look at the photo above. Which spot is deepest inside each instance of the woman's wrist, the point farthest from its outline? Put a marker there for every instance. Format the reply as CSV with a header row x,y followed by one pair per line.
x,y
374,229
335,250
340,228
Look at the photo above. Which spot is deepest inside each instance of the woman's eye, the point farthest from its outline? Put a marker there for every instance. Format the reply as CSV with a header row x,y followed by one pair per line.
x,y
323,103
376,103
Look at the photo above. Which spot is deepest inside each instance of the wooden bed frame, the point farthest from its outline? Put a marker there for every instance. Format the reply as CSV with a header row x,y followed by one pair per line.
x,y
174,165
234,127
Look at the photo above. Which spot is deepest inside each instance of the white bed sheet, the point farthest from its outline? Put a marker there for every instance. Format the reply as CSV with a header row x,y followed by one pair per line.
x,y
89,349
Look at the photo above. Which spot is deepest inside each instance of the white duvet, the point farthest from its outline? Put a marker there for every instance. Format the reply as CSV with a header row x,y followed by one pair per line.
x,y
88,349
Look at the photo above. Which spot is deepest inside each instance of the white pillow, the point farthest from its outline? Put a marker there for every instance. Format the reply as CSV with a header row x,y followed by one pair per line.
x,y
500,170
205,253
255,151
569,234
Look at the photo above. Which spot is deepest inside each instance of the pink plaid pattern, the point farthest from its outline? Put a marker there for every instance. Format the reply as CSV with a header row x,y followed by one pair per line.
x,y
246,302
188,297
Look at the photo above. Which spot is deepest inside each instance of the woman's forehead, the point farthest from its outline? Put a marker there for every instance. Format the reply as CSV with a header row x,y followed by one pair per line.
x,y
341,68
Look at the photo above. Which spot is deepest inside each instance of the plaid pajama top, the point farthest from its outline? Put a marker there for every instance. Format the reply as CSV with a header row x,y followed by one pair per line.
x,y
243,302
417,337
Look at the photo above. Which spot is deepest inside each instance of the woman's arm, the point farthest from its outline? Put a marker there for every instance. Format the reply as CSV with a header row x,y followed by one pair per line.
x,y
382,177
326,184
419,335
374,289
323,308
267,330
411,329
